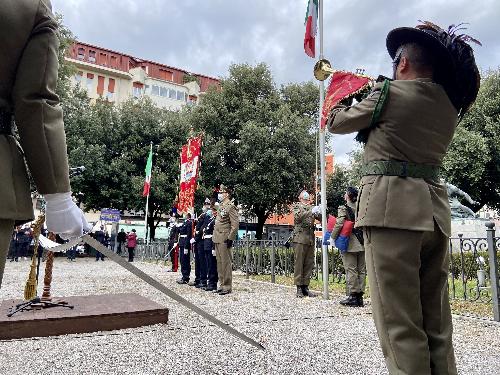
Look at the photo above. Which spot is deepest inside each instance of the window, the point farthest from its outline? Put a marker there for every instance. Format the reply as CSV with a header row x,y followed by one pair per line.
x,y
111,89
78,77
81,53
164,92
103,59
155,90
114,62
171,94
166,75
137,89
100,85
180,96
90,81
92,56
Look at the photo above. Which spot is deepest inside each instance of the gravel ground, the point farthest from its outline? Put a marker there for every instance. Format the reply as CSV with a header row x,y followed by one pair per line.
x,y
301,336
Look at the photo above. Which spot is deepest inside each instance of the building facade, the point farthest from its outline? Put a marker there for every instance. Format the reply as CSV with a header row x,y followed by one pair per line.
x,y
118,77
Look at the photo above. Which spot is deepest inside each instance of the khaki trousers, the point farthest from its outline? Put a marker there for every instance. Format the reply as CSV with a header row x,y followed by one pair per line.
x,y
355,271
6,228
304,263
224,266
407,272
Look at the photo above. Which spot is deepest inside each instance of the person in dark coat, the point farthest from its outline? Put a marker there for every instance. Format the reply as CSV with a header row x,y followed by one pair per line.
x,y
200,262
100,236
185,235
121,237
209,250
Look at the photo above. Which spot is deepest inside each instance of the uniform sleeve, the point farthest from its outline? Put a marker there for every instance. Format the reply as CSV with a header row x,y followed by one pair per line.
x,y
235,223
37,111
345,120
342,214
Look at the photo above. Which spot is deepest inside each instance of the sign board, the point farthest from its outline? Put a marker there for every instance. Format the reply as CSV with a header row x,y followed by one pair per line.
x,y
110,214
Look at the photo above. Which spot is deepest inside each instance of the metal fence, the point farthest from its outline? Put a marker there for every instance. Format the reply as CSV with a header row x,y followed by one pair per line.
x,y
473,272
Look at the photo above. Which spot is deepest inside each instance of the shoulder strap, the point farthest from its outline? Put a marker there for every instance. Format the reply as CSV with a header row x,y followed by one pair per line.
x,y
362,135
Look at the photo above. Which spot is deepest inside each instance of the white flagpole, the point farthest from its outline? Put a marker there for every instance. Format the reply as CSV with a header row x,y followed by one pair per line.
x,y
147,199
322,159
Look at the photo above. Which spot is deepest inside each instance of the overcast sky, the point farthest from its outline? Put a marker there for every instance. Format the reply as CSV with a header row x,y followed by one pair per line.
x,y
206,36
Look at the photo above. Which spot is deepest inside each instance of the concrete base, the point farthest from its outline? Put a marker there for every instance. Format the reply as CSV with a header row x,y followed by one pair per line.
x,y
90,314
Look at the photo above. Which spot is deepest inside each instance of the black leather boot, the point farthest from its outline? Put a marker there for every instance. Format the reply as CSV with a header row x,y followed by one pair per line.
x,y
360,299
300,293
351,301
307,292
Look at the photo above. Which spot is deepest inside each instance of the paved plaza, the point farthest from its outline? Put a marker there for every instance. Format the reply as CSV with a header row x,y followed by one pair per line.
x,y
301,336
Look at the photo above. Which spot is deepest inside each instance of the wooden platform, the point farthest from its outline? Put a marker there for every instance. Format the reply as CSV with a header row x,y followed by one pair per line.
x,y
90,314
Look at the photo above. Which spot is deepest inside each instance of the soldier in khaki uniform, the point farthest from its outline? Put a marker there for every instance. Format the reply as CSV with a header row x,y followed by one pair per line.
x,y
28,76
225,231
407,125
303,244
354,258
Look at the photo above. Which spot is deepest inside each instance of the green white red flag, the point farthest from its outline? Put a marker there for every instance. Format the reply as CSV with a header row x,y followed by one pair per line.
x,y
311,24
149,167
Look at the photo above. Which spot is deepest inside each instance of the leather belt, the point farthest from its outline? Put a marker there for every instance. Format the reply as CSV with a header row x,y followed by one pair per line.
x,y
6,123
401,169
183,235
208,236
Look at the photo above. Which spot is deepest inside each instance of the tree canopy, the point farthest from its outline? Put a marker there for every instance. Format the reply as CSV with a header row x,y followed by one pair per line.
x,y
257,139
473,159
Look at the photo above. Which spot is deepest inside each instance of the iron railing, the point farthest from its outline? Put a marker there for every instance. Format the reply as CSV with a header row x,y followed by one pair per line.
x,y
473,269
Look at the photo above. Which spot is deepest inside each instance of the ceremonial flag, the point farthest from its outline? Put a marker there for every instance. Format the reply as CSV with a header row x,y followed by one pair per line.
x,y
311,28
342,85
190,165
149,167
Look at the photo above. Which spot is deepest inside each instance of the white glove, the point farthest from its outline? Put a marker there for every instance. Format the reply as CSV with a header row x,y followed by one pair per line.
x,y
63,216
186,251
192,241
174,245
213,252
316,210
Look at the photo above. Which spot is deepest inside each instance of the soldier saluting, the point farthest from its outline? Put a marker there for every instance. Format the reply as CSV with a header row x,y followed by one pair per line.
x,y
225,232
407,125
303,244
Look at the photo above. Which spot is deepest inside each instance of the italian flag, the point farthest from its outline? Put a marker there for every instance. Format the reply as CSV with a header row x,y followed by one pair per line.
x,y
149,166
311,27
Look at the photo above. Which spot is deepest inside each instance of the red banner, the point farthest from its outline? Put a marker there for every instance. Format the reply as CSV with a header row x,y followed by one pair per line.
x,y
342,85
190,165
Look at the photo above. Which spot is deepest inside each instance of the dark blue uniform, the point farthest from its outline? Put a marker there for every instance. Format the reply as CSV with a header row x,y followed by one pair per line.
x,y
200,262
212,276
100,236
185,235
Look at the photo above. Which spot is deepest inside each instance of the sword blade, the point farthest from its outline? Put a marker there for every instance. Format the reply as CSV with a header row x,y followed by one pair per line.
x,y
162,288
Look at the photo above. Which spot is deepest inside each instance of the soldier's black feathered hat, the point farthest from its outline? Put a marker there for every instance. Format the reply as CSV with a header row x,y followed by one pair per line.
x,y
456,66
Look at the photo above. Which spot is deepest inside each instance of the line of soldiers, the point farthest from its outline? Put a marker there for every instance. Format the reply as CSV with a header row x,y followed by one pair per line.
x,y
211,239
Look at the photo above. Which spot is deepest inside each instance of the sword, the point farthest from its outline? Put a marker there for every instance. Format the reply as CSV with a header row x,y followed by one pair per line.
x,y
162,288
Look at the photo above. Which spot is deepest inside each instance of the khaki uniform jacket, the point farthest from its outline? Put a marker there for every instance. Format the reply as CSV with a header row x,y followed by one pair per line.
x,y
227,223
303,231
354,245
28,75
416,125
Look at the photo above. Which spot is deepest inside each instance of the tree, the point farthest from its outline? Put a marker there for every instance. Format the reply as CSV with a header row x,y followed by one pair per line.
x,y
473,159
336,187
256,140
113,142
66,69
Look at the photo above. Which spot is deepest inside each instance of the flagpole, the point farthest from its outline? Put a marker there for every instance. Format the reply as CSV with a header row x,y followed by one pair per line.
x,y
322,159
147,205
